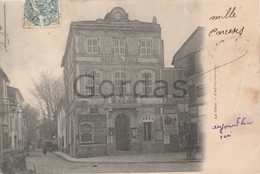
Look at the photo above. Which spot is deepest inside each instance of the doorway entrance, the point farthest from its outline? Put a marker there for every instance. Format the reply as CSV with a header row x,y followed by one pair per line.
x,y
122,126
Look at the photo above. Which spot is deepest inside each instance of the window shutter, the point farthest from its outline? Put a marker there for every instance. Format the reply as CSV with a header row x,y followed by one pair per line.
x,y
128,85
139,47
99,47
126,43
113,46
79,44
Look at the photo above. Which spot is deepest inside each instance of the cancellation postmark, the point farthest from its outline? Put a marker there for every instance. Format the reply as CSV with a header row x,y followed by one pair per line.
x,y
41,13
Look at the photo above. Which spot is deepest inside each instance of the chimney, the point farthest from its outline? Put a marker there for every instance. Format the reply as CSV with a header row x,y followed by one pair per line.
x,y
154,20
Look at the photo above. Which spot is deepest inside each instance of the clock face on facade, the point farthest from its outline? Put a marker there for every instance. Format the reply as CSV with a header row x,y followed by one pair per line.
x,y
118,15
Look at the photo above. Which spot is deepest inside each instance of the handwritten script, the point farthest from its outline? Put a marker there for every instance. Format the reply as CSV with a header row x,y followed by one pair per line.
x,y
230,13
240,122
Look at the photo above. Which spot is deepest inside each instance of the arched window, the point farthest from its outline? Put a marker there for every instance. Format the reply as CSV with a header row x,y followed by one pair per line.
x,y
147,117
147,120
92,82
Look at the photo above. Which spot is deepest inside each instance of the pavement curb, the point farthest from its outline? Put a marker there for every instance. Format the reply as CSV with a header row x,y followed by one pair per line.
x,y
77,160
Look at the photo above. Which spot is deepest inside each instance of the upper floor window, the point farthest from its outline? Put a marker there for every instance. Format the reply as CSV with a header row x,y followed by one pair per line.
x,y
91,45
119,46
119,79
92,82
146,46
147,86
84,44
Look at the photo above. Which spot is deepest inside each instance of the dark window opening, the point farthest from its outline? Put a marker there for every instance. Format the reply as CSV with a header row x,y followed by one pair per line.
x,y
93,110
148,131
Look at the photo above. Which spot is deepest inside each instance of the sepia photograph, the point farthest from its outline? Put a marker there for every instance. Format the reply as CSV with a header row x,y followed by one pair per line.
x,y
121,86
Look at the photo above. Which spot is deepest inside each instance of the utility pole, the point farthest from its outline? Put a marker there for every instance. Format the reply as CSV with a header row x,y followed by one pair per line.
x,y
4,43
5,28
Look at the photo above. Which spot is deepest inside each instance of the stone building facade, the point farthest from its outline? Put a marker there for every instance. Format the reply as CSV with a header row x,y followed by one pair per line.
x,y
12,127
4,131
189,57
114,102
16,121
61,126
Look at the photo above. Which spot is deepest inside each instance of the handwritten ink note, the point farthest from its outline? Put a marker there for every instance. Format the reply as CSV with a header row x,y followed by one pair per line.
x,y
225,129
232,75
230,13
225,36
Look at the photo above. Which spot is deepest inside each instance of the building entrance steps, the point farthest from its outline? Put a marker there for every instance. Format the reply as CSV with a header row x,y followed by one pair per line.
x,y
179,157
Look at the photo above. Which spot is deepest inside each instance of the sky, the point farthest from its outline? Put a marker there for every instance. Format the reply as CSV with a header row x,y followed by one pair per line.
x,y
35,50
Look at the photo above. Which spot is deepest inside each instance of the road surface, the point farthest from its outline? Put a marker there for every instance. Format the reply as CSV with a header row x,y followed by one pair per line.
x,y
53,164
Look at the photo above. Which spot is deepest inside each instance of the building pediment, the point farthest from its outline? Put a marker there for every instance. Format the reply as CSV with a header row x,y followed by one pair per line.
x,y
117,14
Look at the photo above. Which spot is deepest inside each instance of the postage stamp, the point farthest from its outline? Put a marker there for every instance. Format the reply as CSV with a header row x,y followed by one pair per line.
x,y
41,13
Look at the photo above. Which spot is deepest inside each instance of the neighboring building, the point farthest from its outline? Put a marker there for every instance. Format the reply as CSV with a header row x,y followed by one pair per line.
x,y
189,57
61,126
104,116
44,131
38,139
16,121
13,126
4,103
176,110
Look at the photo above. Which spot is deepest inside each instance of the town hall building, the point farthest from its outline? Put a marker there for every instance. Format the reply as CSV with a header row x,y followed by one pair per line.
x,y
119,97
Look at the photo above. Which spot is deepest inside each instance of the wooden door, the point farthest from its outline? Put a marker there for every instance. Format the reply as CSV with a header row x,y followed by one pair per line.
x,y
122,133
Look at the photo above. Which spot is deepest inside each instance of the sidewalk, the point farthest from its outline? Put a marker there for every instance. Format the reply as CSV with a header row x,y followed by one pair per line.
x,y
136,158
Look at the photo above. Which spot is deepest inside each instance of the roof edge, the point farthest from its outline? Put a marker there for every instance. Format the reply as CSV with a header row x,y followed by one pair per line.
x,y
18,91
4,75
191,36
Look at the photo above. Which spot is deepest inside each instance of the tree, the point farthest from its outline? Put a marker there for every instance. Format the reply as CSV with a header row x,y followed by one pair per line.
x,y
31,116
49,91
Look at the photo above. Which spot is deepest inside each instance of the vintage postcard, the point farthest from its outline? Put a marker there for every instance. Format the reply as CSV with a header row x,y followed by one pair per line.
x,y
129,86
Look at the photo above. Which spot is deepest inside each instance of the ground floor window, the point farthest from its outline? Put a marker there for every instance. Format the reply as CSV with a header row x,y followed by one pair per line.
x,y
6,144
10,141
15,141
62,141
86,132
147,131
